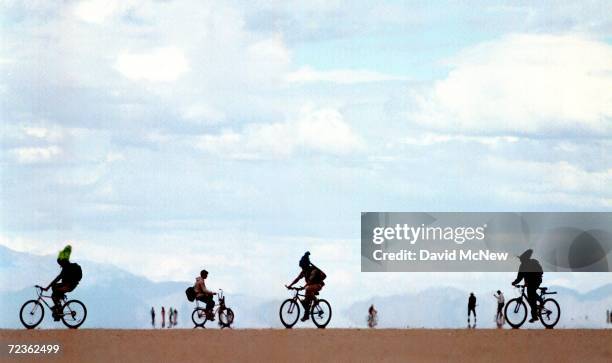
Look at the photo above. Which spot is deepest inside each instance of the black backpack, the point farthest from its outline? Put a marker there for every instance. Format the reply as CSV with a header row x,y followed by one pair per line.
x,y
318,276
74,273
191,294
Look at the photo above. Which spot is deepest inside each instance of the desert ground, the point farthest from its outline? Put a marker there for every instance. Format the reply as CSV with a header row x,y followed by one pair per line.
x,y
312,345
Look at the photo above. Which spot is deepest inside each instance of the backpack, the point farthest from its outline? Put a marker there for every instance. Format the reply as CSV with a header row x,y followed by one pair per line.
x,y
318,276
191,294
74,273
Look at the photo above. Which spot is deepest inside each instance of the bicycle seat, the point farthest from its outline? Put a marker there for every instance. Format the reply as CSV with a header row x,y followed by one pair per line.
x,y
317,293
543,289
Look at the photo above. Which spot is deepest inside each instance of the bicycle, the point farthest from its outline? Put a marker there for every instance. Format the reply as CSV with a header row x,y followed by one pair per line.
x,y
72,312
320,310
549,310
224,314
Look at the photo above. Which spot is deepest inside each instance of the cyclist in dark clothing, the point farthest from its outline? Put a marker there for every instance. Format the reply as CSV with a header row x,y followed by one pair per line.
x,y
530,270
66,281
472,306
314,277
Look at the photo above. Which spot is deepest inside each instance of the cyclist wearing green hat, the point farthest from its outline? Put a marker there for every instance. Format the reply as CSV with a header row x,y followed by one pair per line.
x,y
66,281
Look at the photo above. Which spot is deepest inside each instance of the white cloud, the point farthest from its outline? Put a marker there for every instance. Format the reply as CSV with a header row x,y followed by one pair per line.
x,y
158,65
95,11
322,130
432,138
542,183
342,76
202,112
44,133
524,84
28,155
270,50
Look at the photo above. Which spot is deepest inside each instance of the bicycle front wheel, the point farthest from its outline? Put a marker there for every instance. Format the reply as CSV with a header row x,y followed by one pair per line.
x,y
550,312
515,312
321,313
226,317
289,313
199,317
31,314
74,313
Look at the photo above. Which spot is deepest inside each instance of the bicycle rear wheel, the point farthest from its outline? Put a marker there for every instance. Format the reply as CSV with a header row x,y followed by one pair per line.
x,y
31,314
74,313
516,312
321,313
199,317
550,312
289,313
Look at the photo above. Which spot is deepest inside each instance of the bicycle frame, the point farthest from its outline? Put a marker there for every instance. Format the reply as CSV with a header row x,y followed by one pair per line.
x,y
297,296
219,305
43,298
543,292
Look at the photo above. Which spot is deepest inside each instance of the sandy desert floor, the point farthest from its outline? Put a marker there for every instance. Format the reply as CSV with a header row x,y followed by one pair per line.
x,y
301,345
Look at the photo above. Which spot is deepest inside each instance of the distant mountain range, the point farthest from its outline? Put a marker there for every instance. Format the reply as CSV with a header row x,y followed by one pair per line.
x,y
116,298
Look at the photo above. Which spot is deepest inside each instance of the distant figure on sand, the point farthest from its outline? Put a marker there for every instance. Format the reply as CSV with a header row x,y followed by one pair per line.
x,y
175,317
163,313
372,317
472,307
152,317
500,303
170,318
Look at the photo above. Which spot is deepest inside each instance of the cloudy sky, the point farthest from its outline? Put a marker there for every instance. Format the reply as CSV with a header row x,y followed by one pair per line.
x,y
163,136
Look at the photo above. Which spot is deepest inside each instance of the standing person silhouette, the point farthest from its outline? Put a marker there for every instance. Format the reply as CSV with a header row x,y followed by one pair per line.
x,y
152,317
372,316
472,307
500,303
170,317
163,314
175,317
530,270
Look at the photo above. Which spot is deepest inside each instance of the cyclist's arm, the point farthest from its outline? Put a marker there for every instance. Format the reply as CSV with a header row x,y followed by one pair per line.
x,y
205,289
519,277
297,279
59,277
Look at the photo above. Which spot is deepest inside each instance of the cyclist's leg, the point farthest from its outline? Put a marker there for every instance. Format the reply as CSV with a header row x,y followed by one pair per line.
x,y
532,298
58,292
310,292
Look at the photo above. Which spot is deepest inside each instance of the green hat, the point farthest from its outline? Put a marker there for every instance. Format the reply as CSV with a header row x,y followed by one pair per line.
x,y
65,253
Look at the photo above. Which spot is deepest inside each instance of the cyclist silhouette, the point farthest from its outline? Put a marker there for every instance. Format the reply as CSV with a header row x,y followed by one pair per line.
x,y
314,282
204,295
530,270
66,281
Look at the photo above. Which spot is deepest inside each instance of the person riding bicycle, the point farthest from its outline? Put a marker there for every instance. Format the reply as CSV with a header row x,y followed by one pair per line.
x,y
530,270
66,281
204,295
314,282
